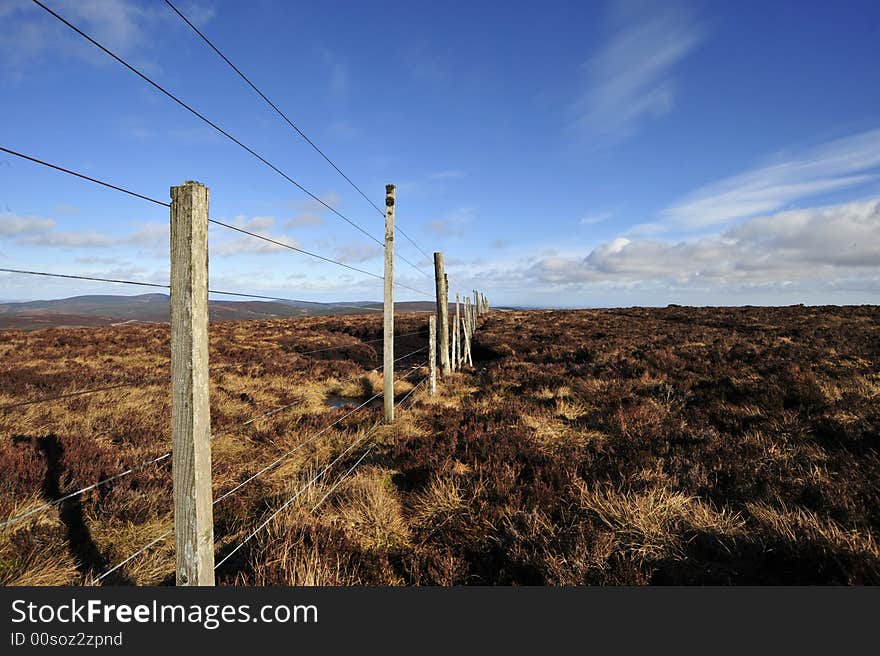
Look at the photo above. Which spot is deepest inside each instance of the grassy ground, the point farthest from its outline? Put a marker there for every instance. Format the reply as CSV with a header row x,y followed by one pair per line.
x,y
632,446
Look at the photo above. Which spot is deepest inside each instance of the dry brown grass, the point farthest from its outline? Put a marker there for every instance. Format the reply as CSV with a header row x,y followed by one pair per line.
x,y
631,446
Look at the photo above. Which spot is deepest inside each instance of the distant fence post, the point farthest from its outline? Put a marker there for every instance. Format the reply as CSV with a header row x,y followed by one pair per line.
x,y
450,336
442,312
432,352
190,404
476,304
457,333
468,332
388,307
453,361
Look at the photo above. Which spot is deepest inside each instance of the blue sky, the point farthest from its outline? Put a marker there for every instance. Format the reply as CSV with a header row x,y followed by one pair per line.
x,y
587,154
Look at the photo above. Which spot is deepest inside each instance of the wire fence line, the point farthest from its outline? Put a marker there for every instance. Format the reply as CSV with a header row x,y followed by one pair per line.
x,y
164,456
308,485
286,119
155,381
189,289
214,221
216,127
203,118
267,468
158,285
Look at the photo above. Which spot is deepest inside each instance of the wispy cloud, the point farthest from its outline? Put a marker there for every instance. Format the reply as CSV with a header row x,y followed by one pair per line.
x,y
833,166
596,217
12,225
453,224
223,243
631,78
450,174
123,26
38,231
358,252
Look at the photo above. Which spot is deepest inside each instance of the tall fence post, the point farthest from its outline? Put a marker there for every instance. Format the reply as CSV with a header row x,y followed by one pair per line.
x,y
432,352
190,404
388,317
442,312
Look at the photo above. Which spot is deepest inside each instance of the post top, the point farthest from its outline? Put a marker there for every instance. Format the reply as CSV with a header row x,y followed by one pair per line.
x,y
389,188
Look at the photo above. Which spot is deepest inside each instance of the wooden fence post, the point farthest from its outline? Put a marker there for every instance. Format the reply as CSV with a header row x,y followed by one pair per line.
x,y
453,361
190,404
442,312
468,332
450,337
432,352
457,357
388,307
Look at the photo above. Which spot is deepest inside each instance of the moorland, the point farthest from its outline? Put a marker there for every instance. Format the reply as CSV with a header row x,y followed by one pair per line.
x,y
627,446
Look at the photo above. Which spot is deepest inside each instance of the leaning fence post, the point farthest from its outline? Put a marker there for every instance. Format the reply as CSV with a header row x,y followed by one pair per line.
x,y
190,405
388,308
432,352
442,312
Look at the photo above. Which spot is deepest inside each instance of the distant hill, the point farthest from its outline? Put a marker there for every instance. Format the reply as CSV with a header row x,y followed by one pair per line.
x,y
107,310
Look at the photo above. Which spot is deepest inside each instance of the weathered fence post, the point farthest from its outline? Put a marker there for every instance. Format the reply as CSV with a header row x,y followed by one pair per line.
x,y
442,312
476,304
388,307
432,352
468,333
457,340
453,363
450,337
190,405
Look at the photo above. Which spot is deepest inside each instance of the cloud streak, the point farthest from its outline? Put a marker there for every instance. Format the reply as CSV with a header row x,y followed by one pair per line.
x,y
837,165
630,79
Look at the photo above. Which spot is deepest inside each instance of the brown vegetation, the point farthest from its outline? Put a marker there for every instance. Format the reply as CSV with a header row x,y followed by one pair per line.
x,y
632,446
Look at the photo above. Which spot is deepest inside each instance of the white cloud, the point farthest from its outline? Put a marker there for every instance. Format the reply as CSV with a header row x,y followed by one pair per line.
x,y
224,242
358,252
123,26
630,79
87,239
453,224
833,166
303,220
817,246
12,225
